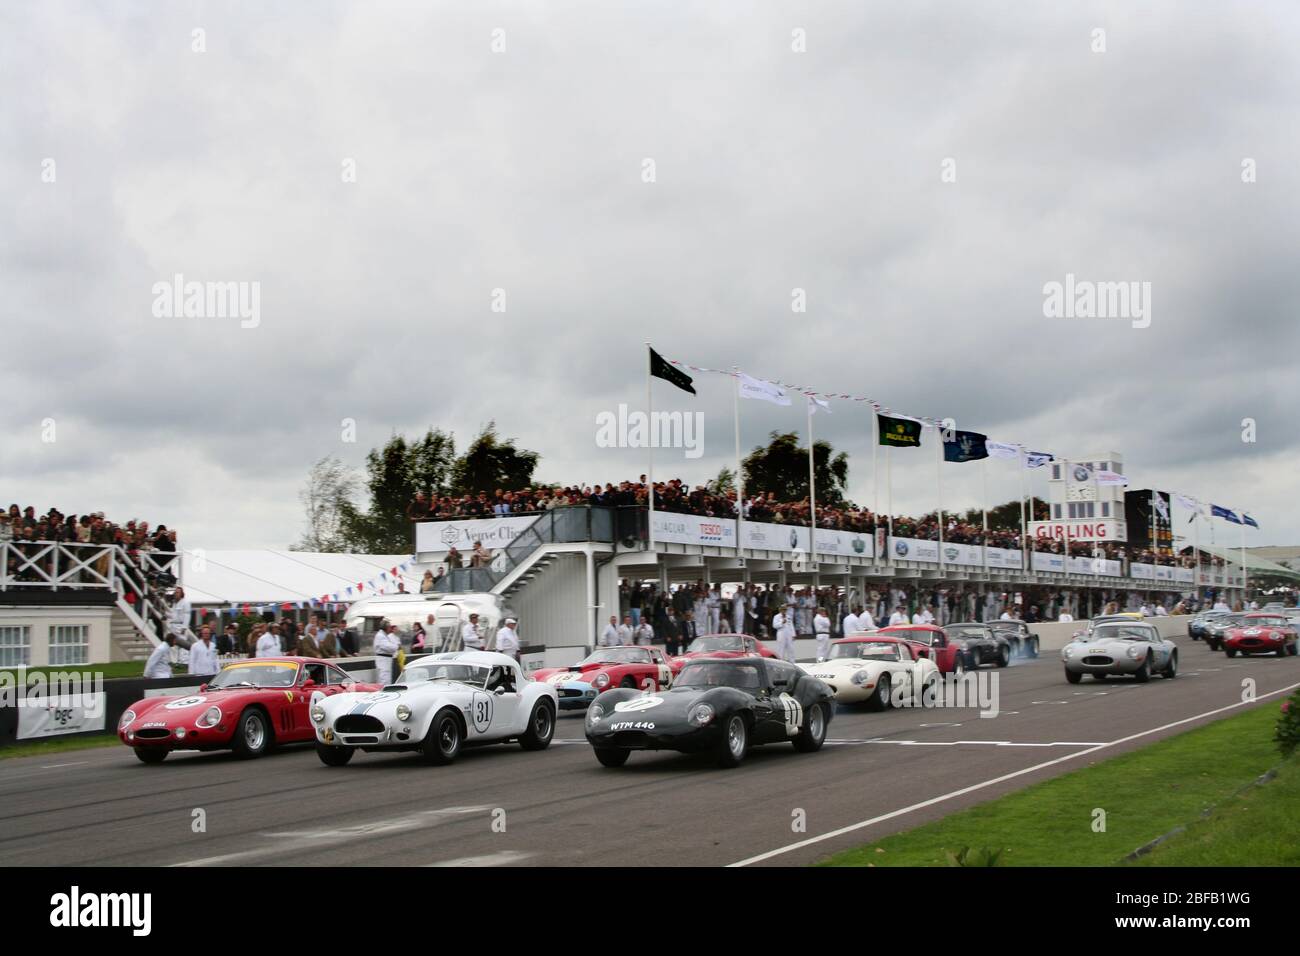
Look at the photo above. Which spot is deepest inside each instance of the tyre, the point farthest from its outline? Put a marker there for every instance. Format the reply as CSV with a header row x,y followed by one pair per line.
x,y
612,756
1004,656
541,727
880,700
1231,652
958,666
1033,648
812,734
441,745
252,735
1282,651
1292,650
1073,676
334,756
1171,669
929,693
150,754
1143,673
628,681
734,742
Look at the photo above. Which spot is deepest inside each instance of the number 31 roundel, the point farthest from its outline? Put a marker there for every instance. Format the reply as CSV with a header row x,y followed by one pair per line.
x,y
481,712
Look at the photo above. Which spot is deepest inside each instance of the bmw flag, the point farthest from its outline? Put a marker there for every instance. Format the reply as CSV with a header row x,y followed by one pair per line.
x,y
964,446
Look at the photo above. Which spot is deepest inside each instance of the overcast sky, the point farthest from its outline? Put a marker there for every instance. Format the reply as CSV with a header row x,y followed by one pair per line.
x,y
524,170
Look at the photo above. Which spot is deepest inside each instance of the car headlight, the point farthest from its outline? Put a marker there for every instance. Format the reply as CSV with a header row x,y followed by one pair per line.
x,y
403,712
127,718
1067,653
602,680
180,733
700,715
594,713
318,713
1275,636
860,678
209,718
1136,652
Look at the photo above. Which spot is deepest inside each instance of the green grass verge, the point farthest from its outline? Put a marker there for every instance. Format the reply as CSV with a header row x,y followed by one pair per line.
x,y
110,671
38,748
1144,793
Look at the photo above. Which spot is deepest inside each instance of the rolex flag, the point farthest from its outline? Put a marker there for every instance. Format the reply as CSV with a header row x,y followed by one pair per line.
x,y
661,368
964,446
898,432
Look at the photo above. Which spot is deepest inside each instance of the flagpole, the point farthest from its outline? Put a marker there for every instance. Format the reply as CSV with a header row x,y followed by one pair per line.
x,y
984,508
812,494
889,504
1245,577
1196,552
1024,534
740,474
938,476
875,474
650,471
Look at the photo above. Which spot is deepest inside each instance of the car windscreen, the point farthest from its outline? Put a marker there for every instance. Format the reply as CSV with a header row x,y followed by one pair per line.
x,y
920,637
472,674
865,650
1123,632
966,633
618,655
710,644
713,674
256,674
1265,622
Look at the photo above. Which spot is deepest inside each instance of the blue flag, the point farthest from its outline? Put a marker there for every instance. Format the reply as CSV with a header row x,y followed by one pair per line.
x,y
1224,513
965,446
1249,520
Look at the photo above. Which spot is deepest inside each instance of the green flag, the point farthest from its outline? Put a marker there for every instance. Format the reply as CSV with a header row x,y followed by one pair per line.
x,y
898,432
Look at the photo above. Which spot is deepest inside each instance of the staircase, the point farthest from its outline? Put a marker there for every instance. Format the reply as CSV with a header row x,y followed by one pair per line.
x,y
128,643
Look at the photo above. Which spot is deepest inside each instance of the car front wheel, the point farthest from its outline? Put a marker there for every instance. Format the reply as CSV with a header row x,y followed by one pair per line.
x,y
251,735
334,756
150,754
1143,673
734,743
1004,657
1073,676
880,700
441,744
612,756
541,727
813,732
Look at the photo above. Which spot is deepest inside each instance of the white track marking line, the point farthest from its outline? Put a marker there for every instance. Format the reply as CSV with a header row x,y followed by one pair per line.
x,y
304,839
996,780
56,766
852,742
504,858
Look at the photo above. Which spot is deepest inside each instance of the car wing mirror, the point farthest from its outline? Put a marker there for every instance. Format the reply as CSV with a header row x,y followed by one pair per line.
x,y
499,691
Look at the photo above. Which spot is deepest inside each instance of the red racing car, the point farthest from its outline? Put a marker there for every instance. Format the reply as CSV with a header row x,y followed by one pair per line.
x,y
719,645
1261,633
930,641
247,707
624,665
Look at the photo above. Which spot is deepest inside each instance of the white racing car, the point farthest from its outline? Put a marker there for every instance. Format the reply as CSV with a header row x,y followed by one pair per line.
x,y
439,704
877,670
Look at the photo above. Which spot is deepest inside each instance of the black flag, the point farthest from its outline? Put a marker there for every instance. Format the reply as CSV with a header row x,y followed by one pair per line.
x,y
965,446
661,368
899,432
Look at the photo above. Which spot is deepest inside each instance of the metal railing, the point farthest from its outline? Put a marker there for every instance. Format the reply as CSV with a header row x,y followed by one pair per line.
x,y
59,566
566,525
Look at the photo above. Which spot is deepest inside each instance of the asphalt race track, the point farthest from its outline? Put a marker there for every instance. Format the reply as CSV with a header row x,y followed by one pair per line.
x,y
878,773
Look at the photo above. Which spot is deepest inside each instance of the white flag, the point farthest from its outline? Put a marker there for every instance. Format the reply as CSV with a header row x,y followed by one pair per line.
x,y
1110,478
815,403
1186,502
1002,450
1037,459
765,391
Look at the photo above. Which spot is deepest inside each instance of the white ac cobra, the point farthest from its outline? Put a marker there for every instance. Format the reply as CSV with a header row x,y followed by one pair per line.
x,y
440,704
877,670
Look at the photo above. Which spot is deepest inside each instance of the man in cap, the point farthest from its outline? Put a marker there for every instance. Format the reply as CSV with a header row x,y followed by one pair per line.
x,y
783,628
386,646
507,639
470,637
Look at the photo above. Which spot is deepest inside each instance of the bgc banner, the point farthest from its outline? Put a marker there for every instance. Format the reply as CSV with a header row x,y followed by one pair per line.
x,y
957,555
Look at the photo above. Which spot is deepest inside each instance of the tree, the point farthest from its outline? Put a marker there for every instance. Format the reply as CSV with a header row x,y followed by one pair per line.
x,y
490,463
781,469
326,495
394,474
724,482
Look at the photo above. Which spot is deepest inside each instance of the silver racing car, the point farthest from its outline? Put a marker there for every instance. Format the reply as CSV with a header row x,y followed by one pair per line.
x,y
1120,647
